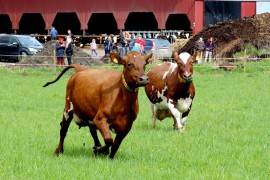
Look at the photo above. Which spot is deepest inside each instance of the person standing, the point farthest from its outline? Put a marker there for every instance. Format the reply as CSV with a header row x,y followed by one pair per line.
x,y
93,47
199,48
209,48
53,33
69,49
124,44
70,35
141,43
60,51
108,45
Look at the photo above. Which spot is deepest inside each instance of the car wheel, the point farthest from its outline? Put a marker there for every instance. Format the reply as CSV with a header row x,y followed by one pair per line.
x,y
22,57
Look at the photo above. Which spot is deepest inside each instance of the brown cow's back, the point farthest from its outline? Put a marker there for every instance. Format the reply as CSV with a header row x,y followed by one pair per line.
x,y
101,87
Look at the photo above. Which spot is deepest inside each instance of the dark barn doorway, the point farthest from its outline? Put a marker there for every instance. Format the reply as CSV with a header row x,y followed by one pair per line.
x,y
141,21
5,24
178,22
221,11
32,23
102,23
65,21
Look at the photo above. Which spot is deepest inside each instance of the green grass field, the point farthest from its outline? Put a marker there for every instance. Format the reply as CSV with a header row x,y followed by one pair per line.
x,y
226,137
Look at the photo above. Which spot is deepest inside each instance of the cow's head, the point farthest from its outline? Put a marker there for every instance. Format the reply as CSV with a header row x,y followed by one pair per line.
x,y
134,67
185,66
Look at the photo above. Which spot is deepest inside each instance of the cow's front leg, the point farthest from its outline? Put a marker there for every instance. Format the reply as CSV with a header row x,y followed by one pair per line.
x,y
176,116
184,119
93,131
104,129
63,131
118,139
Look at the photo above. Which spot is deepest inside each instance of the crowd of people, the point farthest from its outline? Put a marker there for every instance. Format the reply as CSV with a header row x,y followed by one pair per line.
x,y
203,50
65,48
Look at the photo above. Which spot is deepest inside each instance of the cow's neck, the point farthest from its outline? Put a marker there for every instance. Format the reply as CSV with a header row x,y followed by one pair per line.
x,y
127,87
184,80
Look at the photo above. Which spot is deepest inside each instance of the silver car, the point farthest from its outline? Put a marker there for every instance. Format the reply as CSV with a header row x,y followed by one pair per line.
x,y
161,48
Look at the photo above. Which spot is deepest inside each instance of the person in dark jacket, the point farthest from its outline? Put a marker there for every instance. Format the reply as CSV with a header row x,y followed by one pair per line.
x,y
199,48
60,51
209,48
108,45
69,49
53,33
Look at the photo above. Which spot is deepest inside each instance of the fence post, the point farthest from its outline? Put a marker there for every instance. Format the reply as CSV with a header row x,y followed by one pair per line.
x,y
245,60
54,60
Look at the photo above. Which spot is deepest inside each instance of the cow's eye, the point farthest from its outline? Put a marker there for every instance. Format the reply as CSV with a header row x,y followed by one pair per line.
x,y
129,65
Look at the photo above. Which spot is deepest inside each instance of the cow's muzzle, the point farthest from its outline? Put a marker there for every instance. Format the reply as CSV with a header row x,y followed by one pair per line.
x,y
143,80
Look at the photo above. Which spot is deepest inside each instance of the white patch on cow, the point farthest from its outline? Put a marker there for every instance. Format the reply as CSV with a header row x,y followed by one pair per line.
x,y
134,56
184,120
77,119
160,95
70,109
172,67
184,104
184,56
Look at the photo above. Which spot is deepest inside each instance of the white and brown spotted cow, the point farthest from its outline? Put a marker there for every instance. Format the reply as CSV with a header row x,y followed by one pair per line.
x,y
171,90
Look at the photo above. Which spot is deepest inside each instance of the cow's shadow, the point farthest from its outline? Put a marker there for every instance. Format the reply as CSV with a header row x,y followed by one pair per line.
x,y
87,152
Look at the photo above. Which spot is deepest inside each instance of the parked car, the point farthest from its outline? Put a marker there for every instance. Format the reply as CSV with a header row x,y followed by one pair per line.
x,y
18,47
161,48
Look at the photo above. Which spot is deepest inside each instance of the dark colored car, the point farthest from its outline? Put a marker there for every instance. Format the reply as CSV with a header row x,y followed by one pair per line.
x,y
18,47
161,48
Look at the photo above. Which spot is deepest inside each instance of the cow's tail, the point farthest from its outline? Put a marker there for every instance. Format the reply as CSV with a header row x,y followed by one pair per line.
x,y
75,66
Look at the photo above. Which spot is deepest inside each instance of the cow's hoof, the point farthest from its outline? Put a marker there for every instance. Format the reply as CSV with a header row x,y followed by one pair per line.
x,y
180,129
100,150
58,151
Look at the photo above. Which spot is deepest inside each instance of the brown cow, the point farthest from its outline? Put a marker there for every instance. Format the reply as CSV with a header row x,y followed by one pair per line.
x,y
104,99
171,90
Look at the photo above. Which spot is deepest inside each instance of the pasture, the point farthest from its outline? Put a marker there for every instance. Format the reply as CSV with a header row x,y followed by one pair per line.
x,y
226,137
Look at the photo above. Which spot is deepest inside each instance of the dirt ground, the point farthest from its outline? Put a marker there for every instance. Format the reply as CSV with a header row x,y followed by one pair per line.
x,y
80,56
232,36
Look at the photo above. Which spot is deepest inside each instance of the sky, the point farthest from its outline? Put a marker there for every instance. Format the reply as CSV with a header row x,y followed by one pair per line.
x,y
262,7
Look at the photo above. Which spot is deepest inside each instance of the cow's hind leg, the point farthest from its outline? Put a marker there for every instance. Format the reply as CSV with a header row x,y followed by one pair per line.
x,y
63,131
154,118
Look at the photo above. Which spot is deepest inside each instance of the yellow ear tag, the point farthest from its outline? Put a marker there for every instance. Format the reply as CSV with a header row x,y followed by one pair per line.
x,y
115,60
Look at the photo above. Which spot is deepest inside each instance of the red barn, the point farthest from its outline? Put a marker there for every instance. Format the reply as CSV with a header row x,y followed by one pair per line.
x,y
188,15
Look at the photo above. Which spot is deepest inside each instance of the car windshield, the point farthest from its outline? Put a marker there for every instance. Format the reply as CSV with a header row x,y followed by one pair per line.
x,y
160,42
29,41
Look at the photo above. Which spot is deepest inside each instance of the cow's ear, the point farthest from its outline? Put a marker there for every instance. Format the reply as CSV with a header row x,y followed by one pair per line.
x,y
116,58
193,57
176,56
148,57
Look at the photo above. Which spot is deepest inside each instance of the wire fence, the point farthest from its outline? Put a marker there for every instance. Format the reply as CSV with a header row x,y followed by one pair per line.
x,y
217,63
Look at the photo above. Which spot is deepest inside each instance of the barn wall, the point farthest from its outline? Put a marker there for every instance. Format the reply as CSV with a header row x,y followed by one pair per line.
x,y
199,17
248,9
84,9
